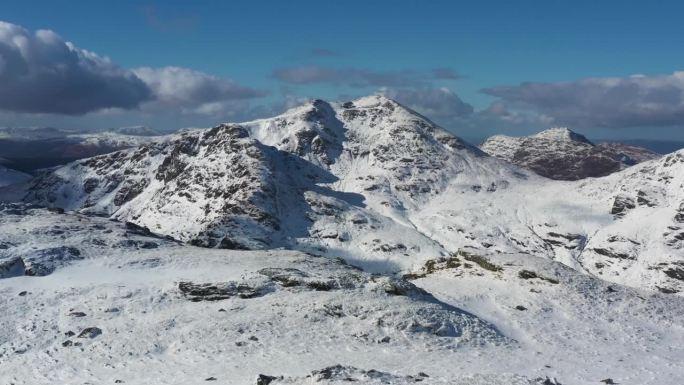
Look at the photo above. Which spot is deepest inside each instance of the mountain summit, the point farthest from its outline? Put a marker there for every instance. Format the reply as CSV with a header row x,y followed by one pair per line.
x,y
561,134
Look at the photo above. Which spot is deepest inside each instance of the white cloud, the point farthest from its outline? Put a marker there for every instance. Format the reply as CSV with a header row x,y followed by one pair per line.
x,y
192,90
634,101
436,103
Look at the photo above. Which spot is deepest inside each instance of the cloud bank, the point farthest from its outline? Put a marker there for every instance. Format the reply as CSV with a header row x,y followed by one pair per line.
x,y
192,91
438,103
634,101
42,73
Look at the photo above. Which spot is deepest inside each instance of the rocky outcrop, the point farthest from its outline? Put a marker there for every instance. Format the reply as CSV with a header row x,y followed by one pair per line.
x,y
45,261
12,267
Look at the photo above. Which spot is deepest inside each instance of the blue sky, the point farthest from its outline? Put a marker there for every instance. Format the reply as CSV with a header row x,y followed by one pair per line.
x,y
465,64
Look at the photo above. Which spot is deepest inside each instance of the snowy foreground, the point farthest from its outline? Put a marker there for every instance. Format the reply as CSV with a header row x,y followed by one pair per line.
x,y
109,304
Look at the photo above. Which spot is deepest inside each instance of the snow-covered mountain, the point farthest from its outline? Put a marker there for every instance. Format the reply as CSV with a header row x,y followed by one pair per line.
x,y
319,178
34,148
560,153
625,228
445,265
10,177
378,184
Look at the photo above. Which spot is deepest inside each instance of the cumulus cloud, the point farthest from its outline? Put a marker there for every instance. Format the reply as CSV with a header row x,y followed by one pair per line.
x,y
634,101
352,77
42,73
438,103
192,91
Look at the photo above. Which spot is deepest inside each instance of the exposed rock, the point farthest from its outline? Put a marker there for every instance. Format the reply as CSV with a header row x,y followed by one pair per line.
x,y
528,274
90,332
12,267
621,205
675,272
45,261
263,379
219,291
612,254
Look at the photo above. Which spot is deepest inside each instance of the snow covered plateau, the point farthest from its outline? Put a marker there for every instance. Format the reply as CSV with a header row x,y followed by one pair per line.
x,y
343,242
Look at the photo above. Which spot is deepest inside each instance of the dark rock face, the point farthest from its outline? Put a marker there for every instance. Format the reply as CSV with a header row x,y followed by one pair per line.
x,y
613,254
621,205
675,272
342,373
219,291
90,332
679,217
12,267
562,154
528,274
568,241
643,199
45,261
263,379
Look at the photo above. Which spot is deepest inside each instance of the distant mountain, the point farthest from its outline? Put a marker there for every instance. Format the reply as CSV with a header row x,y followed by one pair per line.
x,y
657,146
28,149
9,176
560,153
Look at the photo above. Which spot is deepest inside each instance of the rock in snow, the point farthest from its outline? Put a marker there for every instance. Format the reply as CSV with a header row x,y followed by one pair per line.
x,y
12,267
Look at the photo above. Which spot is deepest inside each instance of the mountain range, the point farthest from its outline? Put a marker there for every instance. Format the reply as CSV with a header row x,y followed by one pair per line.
x,y
310,245
373,181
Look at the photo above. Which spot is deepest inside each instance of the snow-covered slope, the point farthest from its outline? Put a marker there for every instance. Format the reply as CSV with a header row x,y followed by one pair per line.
x,y
559,153
624,228
121,306
10,177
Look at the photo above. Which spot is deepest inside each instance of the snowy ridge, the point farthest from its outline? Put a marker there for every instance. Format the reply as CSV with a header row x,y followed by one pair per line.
x,y
561,134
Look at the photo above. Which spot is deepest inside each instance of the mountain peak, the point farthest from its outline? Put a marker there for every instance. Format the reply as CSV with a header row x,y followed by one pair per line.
x,y
561,134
